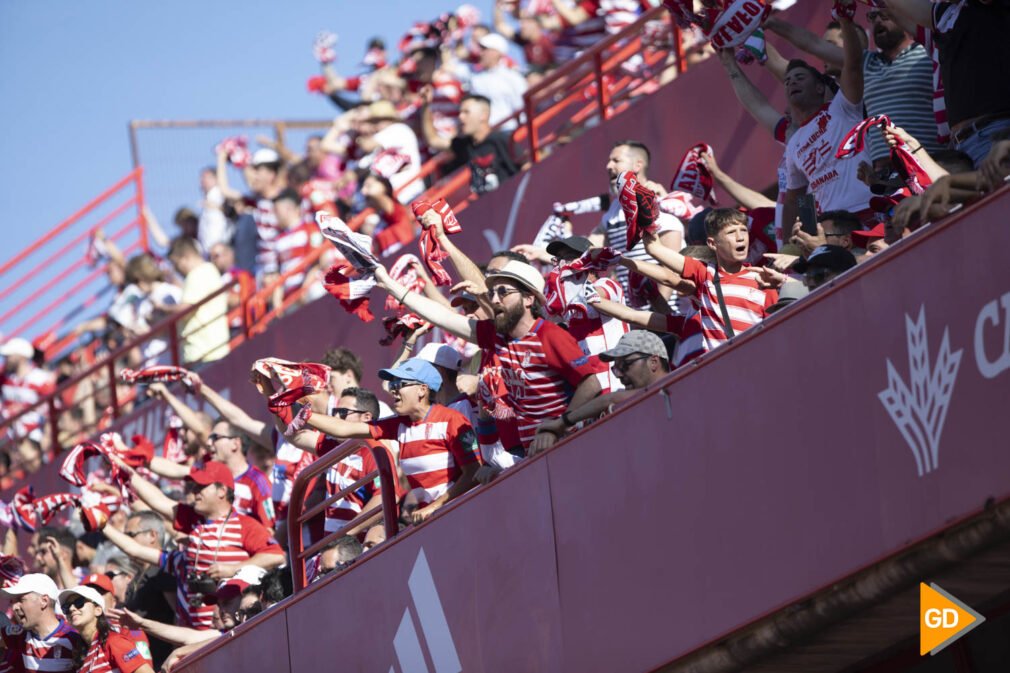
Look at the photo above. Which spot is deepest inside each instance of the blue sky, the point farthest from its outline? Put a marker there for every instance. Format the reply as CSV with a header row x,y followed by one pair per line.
x,y
72,75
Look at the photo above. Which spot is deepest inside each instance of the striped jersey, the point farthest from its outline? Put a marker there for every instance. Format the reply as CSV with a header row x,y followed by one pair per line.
x,y
345,474
289,461
266,231
596,332
235,538
746,304
541,371
615,235
253,495
288,248
606,17
27,651
119,654
17,393
903,90
432,450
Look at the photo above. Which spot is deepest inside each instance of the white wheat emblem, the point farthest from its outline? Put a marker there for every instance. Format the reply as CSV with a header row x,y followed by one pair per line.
x,y
919,413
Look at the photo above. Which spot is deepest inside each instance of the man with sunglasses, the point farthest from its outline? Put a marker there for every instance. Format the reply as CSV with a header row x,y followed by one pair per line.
x,y
544,370
33,603
438,446
824,264
639,360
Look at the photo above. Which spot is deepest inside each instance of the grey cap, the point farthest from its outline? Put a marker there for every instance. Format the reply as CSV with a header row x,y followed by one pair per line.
x,y
636,341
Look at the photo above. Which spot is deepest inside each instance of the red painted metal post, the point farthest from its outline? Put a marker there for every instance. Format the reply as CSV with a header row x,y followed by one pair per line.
x,y
54,424
601,97
531,128
678,46
113,393
173,344
138,174
386,482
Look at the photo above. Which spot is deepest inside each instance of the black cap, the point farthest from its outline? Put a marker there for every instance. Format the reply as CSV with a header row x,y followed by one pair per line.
x,y
566,246
830,257
696,234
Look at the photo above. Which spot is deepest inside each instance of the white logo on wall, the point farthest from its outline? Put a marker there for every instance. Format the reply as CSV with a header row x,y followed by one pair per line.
x,y
434,627
920,408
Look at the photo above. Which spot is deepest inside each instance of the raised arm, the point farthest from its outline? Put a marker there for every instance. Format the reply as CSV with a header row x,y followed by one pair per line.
x,y
152,496
745,196
917,11
851,79
750,97
188,417
804,40
662,254
170,633
430,310
222,178
131,547
501,26
431,136
337,427
257,431
644,319
656,272
570,13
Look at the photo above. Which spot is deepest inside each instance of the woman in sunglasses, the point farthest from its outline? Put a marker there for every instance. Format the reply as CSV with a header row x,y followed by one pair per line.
x,y
106,649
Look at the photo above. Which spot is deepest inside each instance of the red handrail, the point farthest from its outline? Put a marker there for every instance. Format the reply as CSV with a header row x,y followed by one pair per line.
x,y
305,482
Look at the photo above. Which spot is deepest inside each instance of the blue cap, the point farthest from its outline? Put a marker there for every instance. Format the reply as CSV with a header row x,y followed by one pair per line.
x,y
414,369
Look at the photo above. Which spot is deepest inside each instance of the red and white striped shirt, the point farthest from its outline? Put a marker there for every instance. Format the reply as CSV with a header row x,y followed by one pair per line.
x,y
266,231
289,247
746,304
118,655
27,651
596,333
345,474
432,450
253,496
235,538
17,393
541,371
288,464
606,17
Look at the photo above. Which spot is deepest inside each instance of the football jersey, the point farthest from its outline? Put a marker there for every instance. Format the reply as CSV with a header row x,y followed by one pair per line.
x,y
345,474
432,450
596,332
253,495
27,651
541,371
119,654
17,393
288,464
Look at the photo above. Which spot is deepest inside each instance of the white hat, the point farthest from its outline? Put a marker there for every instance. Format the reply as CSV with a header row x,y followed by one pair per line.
x,y
496,42
33,583
265,155
441,355
18,346
84,592
522,273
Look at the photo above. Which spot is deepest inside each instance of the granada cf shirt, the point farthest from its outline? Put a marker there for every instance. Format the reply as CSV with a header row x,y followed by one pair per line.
x,y
119,654
27,651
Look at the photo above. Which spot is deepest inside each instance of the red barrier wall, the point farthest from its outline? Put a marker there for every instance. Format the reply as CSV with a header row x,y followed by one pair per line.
x,y
776,470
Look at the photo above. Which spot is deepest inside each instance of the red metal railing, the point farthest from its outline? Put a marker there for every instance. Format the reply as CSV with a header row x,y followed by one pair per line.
x,y
27,280
298,516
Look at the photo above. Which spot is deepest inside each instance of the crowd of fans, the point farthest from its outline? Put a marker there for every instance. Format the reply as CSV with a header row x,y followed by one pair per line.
x,y
162,551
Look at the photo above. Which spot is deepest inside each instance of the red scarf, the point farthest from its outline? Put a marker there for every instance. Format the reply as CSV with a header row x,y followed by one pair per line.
x,y
400,326
237,149
639,205
299,379
431,251
350,289
162,374
911,172
693,177
404,271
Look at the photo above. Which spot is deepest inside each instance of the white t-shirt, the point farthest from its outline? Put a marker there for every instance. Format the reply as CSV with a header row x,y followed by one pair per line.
x,y
401,138
504,87
811,162
205,332
213,227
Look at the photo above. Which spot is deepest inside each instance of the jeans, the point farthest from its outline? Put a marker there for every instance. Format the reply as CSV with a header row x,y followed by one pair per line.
x,y
978,144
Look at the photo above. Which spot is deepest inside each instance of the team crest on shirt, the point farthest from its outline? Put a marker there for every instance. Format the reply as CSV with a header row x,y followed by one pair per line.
x,y
132,654
13,630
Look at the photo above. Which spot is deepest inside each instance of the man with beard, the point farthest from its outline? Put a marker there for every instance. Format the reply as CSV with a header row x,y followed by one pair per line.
x,y
544,370
897,78
638,360
438,446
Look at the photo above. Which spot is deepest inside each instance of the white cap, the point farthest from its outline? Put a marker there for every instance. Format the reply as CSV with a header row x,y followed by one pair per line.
x,y
18,346
85,592
441,355
496,42
522,273
33,583
265,155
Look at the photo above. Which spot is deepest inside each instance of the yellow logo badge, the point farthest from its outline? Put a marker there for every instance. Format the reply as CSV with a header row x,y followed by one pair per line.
x,y
942,619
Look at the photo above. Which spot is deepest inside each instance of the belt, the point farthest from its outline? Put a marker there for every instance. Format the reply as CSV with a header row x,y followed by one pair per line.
x,y
977,125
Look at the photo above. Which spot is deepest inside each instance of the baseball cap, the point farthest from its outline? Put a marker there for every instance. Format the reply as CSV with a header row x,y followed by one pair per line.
x,y
572,244
462,298
98,582
265,155
36,583
790,291
861,239
522,273
212,472
414,369
496,42
85,592
636,341
830,257
441,355
17,346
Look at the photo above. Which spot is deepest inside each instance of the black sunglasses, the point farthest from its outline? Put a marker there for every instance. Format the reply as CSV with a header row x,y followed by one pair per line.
x,y
213,437
77,603
623,365
344,412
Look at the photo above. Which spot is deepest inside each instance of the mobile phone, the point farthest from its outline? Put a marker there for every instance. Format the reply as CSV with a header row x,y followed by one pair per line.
x,y
808,214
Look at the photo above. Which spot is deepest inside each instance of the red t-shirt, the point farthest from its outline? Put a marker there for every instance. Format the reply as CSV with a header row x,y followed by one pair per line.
x,y
118,655
253,496
394,230
432,450
541,371
345,474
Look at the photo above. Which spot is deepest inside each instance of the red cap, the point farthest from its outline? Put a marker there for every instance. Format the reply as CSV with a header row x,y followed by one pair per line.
x,y
99,582
212,472
862,238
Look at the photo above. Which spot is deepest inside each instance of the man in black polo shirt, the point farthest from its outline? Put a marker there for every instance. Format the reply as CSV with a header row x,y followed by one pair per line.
x,y
488,153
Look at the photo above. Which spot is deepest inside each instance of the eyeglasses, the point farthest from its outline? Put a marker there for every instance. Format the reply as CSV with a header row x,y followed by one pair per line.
x,y
113,574
213,437
827,235
77,603
134,534
501,292
874,14
623,364
344,412
395,386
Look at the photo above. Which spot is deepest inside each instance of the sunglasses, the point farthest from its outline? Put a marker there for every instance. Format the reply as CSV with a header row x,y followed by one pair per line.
x,y
625,364
134,534
501,292
395,386
213,437
344,412
75,603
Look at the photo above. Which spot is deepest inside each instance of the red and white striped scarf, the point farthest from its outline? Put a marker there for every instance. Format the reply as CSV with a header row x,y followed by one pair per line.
x,y
693,177
237,149
11,570
162,374
351,288
400,326
639,205
431,251
405,272
911,172
299,379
